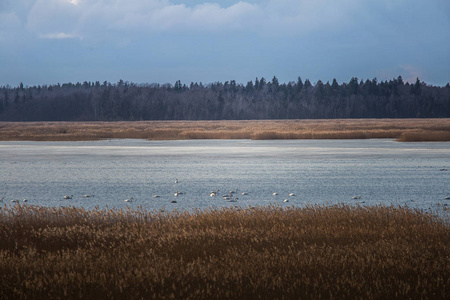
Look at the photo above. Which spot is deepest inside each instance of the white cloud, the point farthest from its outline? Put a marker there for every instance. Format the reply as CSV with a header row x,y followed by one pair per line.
x,y
59,35
90,18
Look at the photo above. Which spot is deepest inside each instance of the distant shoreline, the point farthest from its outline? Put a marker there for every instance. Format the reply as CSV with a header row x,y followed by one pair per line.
x,y
405,130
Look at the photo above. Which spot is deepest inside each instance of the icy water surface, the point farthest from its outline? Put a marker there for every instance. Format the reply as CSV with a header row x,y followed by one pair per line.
x,y
316,171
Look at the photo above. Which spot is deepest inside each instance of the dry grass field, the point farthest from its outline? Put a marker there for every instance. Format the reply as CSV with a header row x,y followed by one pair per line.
x,y
400,129
316,252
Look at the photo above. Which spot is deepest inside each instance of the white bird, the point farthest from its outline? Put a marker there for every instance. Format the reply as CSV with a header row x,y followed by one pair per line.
x,y
213,194
447,198
232,192
274,194
68,197
176,194
88,196
156,196
244,193
25,200
129,200
356,197
291,194
233,200
285,200
176,180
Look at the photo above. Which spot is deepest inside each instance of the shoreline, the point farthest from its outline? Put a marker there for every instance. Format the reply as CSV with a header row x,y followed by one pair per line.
x,y
404,130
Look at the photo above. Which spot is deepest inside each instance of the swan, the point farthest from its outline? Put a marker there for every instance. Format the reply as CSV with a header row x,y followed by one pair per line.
x,y
447,198
291,194
25,200
232,192
176,194
233,200
156,196
88,196
173,201
68,197
129,200
244,193
285,200
176,180
213,194
356,197
274,194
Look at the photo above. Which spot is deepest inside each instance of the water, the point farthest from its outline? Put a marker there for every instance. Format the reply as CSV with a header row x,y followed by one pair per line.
x,y
316,171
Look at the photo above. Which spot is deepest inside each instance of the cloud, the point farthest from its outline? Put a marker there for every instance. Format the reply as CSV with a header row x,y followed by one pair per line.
x,y
91,18
411,73
59,35
10,27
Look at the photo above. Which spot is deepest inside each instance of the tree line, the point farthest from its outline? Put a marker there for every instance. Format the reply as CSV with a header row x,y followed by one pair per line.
x,y
229,100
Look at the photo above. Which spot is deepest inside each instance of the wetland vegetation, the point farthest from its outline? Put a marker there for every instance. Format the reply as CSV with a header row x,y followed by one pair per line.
x,y
314,252
400,129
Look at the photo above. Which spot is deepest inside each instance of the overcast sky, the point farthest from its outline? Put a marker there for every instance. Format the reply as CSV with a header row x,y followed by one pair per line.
x,y
159,41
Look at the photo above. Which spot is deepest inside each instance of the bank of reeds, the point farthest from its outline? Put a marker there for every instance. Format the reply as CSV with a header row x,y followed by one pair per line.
x,y
400,129
317,252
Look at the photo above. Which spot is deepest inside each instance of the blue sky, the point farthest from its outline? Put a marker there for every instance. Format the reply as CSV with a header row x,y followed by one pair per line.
x,y
159,41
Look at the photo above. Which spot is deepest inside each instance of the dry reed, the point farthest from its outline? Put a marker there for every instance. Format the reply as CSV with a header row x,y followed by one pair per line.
x,y
401,129
316,252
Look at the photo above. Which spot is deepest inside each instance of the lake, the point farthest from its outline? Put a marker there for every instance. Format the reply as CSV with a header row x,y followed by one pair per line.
x,y
380,171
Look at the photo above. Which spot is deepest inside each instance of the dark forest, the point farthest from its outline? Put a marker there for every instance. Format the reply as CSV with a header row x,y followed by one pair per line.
x,y
258,99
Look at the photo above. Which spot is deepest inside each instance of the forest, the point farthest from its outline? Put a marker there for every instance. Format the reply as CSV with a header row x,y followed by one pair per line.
x,y
258,99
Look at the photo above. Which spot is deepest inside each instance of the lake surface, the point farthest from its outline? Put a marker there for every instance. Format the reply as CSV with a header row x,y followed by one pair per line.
x,y
381,171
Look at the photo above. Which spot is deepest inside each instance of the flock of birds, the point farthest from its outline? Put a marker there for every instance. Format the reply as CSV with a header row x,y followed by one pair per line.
x,y
230,197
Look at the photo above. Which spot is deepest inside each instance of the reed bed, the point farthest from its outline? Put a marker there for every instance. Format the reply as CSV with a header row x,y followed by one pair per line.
x,y
400,129
315,252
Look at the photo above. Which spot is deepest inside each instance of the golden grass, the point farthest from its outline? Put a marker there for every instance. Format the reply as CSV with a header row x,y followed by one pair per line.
x,y
317,252
401,129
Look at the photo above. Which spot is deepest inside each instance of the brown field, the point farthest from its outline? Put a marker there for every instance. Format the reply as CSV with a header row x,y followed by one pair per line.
x,y
316,252
400,129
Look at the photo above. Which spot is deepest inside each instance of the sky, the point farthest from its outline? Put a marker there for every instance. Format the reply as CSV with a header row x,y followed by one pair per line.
x,y
162,41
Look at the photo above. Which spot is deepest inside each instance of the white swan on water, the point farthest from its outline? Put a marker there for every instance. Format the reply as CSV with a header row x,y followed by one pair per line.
x,y
129,200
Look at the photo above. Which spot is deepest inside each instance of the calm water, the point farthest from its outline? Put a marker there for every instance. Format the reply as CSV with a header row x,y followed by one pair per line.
x,y
317,171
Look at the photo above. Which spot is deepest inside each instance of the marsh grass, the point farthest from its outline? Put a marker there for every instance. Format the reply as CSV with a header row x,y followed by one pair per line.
x,y
316,252
400,129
